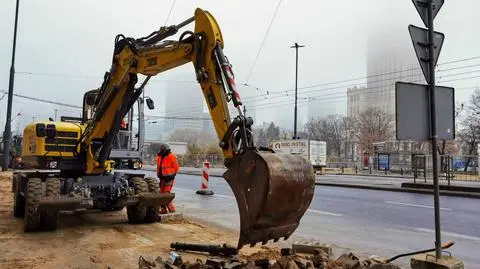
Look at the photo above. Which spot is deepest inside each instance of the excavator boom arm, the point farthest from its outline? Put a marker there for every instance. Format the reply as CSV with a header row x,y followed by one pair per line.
x,y
203,48
273,191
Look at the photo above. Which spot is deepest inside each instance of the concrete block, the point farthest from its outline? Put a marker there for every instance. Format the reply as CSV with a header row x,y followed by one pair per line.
x,y
428,261
349,261
287,251
311,248
215,263
170,217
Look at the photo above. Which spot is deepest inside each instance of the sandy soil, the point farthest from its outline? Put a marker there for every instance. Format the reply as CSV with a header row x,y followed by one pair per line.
x,y
98,240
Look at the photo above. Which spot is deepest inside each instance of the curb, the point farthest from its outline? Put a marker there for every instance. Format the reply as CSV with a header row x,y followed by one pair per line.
x,y
454,188
191,173
407,190
370,187
198,174
371,175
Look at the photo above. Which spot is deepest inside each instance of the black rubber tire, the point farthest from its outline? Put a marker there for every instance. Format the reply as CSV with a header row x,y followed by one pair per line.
x,y
18,199
152,184
137,214
67,186
48,220
33,194
152,211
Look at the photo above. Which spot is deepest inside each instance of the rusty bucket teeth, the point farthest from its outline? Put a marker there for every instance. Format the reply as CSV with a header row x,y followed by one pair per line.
x,y
273,192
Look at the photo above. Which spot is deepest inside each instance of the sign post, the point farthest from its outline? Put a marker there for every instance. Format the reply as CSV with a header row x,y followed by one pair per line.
x,y
427,44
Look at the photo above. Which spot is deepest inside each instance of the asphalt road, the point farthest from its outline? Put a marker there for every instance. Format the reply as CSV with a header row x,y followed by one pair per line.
x,y
380,222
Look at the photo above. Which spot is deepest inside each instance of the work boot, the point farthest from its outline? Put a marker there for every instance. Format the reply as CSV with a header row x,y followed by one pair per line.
x,y
171,208
163,210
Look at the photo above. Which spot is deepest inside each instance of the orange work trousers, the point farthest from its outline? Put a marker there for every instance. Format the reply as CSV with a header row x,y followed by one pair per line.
x,y
166,187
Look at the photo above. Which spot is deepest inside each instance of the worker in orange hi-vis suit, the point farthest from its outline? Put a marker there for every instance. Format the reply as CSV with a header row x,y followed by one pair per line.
x,y
167,169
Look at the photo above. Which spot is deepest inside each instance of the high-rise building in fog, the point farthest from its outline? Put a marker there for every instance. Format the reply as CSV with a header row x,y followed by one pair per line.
x,y
390,58
356,101
183,101
323,107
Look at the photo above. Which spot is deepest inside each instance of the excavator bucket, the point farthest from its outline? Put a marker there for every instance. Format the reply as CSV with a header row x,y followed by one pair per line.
x,y
273,192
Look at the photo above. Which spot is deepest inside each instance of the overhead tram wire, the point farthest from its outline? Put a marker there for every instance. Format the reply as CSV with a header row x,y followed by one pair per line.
x,y
367,90
263,42
169,13
375,75
336,95
375,81
259,88
98,78
274,104
271,93
331,96
43,100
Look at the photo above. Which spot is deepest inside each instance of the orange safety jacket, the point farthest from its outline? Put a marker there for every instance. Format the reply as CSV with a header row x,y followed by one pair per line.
x,y
167,166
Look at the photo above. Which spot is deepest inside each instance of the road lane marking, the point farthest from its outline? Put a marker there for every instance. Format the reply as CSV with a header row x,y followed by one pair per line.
x,y
414,205
324,213
462,236
225,196
309,210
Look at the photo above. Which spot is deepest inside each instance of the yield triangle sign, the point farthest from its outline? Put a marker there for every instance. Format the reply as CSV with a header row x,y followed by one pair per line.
x,y
422,8
420,44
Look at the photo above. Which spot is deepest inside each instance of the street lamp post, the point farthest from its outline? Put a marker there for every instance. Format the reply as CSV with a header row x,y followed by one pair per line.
x,y
296,46
8,129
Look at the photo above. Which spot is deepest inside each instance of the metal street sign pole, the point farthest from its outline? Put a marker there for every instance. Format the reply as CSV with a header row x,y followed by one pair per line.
x,y
296,46
8,129
433,126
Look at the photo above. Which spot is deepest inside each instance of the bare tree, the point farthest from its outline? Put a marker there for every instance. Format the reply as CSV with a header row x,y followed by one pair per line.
x,y
469,132
373,125
266,134
330,129
349,137
194,138
449,145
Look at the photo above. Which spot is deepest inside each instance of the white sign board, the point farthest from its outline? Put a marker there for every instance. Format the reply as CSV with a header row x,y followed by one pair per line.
x,y
318,152
312,150
297,147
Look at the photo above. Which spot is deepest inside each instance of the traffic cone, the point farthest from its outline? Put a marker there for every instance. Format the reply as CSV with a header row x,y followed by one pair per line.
x,y
204,185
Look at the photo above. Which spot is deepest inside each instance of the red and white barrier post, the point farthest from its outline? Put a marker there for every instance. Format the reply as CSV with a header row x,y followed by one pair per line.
x,y
204,186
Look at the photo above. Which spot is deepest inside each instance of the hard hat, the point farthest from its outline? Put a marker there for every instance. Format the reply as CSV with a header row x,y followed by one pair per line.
x,y
164,147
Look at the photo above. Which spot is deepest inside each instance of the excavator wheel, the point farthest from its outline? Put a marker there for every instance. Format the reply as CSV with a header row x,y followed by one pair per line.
x,y
152,211
48,220
136,214
33,195
273,192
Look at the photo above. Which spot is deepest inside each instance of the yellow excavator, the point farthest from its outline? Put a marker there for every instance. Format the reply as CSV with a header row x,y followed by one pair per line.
x,y
273,191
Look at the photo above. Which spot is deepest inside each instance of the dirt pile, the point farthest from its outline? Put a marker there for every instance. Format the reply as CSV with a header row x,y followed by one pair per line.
x,y
266,258
94,239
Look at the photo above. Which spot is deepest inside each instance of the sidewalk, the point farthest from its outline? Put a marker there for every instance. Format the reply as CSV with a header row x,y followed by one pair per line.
x,y
460,188
468,189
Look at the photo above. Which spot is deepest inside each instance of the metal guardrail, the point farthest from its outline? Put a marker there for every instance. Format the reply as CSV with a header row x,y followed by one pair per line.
x,y
452,168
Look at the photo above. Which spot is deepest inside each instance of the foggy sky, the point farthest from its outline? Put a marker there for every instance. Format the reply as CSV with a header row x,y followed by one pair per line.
x,y
71,43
